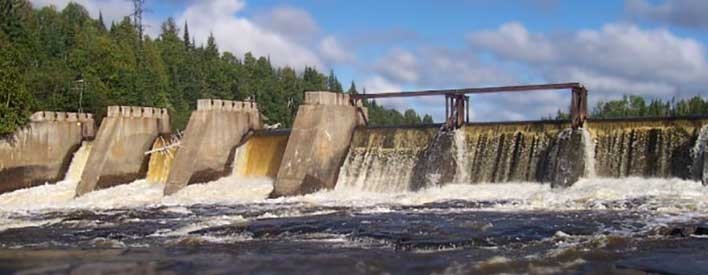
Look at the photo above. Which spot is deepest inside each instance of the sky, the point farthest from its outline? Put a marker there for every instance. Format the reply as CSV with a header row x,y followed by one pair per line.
x,y
652,48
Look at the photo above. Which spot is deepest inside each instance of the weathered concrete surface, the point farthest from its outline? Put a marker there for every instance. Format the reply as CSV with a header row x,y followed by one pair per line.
x,y
41,152
567,159
118,153
318,143
207,149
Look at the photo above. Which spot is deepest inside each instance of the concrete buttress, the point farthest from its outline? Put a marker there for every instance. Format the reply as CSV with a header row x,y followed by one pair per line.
x,y
42,151
118,153
207,149
318,143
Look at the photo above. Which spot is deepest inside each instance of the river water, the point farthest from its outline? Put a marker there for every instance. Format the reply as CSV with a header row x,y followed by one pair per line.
x,y
597,226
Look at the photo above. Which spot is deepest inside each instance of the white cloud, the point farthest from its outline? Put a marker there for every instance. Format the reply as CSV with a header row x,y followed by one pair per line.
x,y
618,58
240,35
509,38
112,10
399,65
685,13
332,50
294,23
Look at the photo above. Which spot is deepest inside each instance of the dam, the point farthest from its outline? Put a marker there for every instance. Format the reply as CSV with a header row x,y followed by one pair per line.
x,y
231,194
225,139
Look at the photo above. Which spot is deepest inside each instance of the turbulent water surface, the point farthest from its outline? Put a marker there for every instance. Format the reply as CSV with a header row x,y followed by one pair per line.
x,y
228,226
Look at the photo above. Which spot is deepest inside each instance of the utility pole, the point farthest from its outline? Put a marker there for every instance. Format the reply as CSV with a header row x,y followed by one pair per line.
x,y
80,84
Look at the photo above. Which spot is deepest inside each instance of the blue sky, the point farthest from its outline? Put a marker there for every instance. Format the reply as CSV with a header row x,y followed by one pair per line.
x,y
644,47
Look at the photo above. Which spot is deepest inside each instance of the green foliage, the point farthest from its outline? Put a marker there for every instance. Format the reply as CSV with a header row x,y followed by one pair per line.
x,y
635,106
44,52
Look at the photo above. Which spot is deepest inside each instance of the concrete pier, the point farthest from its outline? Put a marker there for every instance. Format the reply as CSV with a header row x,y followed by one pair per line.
x,y
567,159
318,143
41,151
207,149
118,154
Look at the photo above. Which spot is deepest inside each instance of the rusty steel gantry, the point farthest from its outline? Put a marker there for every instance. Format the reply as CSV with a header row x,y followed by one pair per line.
x,y
457,101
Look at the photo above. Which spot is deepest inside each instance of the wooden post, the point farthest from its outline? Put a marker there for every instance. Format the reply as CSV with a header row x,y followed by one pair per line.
x,y
578,107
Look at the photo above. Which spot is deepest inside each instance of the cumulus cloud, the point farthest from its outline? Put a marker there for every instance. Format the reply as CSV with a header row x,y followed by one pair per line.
x,y
240,35
332,50
509,38
618,58
112,10
685,13
294,23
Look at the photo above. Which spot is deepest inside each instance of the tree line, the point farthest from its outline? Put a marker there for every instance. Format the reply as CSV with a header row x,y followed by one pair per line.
x,y
50,58
631,106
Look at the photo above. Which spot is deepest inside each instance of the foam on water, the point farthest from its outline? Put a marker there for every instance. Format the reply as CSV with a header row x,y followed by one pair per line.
x,y
669,195
78,162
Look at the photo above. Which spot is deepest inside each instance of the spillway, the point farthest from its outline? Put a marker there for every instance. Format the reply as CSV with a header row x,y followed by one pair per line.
x,y
160,161
646,148
386,159
261,154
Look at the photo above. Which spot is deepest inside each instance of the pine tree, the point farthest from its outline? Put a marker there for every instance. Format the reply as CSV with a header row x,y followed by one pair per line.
x,y
185,38
101,24
352,89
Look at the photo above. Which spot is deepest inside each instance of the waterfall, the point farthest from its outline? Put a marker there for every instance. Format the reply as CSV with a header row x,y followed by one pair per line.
x,y
646,148
461,157
699,168
383,159
78,162
260,156
160,161
589,152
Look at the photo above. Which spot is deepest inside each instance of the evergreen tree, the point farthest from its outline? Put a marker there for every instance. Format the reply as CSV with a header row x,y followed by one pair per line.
x,y
185,38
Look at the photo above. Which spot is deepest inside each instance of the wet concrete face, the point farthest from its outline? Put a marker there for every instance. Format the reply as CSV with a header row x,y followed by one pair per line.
x,y
118,154
41,152
436,164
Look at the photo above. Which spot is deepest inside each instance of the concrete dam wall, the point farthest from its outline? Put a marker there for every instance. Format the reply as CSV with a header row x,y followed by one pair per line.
x,y
318,143
41,151
409,158
208,148
118,153
329,145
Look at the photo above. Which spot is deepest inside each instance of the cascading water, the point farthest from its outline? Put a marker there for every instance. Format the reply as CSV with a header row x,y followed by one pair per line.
x,y
78,162
699,154
260,156
383,159
161,160
644,148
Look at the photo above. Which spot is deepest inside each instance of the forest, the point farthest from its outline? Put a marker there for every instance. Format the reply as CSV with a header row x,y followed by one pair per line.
x,y
631,106
67,61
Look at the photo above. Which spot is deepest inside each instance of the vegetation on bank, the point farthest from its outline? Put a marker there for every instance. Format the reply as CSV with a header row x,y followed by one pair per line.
x,y
631,106
48,58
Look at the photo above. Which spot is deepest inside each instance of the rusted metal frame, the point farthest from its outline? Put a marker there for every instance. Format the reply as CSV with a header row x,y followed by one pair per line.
x,y
460,105
354,102
578,107
503,89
